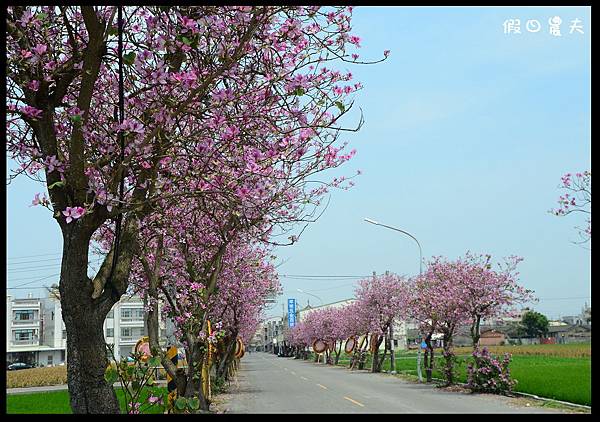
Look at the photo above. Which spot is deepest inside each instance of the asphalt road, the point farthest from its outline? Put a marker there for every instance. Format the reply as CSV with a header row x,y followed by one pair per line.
x,y
268,384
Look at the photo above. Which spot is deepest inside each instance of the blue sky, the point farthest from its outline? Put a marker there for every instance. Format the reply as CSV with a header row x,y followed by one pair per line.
x,y
467,132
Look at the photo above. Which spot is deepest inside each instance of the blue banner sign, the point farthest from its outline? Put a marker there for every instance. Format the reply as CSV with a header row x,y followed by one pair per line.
x,y
291,312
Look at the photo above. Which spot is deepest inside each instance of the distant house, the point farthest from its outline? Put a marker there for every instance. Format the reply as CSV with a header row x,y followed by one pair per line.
x,y
492,338
570,333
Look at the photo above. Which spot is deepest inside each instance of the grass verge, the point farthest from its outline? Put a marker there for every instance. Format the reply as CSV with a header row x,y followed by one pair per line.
x,y
57,402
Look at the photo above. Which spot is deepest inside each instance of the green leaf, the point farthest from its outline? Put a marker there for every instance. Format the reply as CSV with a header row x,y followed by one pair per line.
x,y
299,91
110,375
193,403
41,16
341,106
130,370
180,403
113,30
59,184
129,58
154,361
76,118
135,385
186,40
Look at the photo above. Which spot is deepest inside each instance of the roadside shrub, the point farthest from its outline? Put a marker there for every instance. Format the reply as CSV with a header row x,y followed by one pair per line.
x,y
218,385
487,374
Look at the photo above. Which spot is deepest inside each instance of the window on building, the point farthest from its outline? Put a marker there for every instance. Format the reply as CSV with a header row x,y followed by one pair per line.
x,y
126,332
23,315
49,360
52,316
125,313
111,314
24,334
138,313
110,332
64,333
63,354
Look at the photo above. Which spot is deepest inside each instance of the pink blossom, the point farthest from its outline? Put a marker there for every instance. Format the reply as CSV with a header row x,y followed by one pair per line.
x,y
31,112
34,85
73,213
38,201
40,49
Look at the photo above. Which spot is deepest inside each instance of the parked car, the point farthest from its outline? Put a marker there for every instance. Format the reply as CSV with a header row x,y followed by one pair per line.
x,y
18,365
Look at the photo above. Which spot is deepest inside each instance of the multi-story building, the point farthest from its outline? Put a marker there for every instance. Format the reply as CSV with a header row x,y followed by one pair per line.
x,y
35,331
124,325
272,334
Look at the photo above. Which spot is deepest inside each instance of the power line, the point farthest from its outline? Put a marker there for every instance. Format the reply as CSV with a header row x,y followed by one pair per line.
x,y
26,288
34,262
20,270
28,278
33,256
34,281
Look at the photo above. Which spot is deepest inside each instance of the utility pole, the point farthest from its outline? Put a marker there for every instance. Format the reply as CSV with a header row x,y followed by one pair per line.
x,y
391,337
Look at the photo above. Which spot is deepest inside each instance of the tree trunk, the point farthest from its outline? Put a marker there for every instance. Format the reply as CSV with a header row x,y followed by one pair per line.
x,y
428,361
376,364
338,353
225,362
475,334
84,318
449,367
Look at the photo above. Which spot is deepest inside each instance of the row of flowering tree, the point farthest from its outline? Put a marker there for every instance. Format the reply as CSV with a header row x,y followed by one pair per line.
x,y
448,295
180,142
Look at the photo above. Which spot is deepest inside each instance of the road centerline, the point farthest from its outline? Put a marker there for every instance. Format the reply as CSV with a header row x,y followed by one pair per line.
x,y
354,401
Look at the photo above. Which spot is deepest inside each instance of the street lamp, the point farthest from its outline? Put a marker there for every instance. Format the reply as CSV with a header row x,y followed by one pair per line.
x,y
302,291
368,220
393,363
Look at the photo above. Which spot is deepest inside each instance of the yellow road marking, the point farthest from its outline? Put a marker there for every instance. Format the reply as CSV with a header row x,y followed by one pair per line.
x,y
305,379
322,386
354,401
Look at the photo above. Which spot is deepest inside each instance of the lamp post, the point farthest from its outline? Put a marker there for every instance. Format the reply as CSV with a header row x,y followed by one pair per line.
x,y
393,363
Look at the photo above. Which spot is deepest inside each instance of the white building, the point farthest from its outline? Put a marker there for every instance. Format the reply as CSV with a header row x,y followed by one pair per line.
x,y
35,331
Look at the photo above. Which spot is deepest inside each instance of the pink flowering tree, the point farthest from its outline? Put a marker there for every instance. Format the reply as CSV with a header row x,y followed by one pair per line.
x,y
446,299
381,299
327,325
202,271
244,285
577,198
295,337
487,292
215,99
